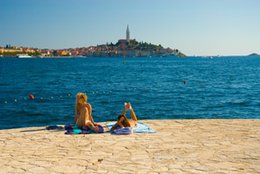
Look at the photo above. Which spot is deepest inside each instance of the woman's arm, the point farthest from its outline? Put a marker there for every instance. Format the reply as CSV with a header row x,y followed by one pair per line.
x,y
118,123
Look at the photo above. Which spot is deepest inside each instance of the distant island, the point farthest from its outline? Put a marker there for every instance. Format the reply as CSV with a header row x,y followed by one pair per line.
x,y
123,48
253,54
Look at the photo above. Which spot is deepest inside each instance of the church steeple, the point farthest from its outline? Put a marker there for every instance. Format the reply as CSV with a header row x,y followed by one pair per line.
x,y
127,33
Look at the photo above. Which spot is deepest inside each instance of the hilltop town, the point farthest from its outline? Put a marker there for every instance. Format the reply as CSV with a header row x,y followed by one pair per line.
x,y
123,48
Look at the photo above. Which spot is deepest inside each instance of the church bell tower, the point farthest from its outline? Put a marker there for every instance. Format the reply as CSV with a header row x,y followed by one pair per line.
x,y
127,34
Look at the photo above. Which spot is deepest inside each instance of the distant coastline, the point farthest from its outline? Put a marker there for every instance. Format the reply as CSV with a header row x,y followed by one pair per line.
x,y
122,48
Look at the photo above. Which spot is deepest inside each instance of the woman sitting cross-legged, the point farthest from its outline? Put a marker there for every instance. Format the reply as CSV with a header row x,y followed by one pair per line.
x,y
122,120
83,114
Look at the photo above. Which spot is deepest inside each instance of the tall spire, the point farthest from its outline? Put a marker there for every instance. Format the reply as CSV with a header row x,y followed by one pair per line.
x,y
127,33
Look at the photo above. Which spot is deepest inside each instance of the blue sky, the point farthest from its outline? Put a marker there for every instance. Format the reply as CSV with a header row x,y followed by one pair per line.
x,y
195,27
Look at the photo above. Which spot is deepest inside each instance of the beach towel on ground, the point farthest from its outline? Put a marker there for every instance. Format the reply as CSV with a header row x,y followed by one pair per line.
x,y
139,128
73,129
123,131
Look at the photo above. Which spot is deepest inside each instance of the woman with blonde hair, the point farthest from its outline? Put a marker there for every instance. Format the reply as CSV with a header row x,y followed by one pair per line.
x,y
83,113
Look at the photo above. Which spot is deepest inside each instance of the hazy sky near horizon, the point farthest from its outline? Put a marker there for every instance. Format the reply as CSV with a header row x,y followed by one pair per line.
x,y
195,27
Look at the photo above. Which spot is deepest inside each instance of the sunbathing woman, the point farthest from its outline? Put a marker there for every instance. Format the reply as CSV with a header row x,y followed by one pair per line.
x,y
83,113
122,121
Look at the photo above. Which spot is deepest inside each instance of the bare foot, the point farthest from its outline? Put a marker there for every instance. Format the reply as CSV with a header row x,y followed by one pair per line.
x,y
126,106
96,129
130,106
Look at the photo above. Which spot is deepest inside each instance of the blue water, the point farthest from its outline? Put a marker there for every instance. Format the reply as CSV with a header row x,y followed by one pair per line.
x,y
226,87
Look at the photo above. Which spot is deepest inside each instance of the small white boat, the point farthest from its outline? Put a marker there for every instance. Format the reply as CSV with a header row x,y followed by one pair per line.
x,y
23,56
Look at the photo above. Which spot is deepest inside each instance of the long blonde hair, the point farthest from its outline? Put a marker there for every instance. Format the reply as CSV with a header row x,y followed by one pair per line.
x,y
81,98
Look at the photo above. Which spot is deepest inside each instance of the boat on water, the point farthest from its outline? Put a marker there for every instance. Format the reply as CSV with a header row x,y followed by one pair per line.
x,y
23,56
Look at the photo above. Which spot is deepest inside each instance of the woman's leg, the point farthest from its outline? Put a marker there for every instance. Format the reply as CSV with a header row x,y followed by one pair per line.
x,y
125,109
132,113
87,122
90,113
91,126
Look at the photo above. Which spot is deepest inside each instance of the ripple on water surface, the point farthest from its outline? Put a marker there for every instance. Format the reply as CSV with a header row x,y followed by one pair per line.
x,y
158,88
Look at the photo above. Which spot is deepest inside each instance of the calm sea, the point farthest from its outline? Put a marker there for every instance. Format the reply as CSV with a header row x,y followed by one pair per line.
x,y
158,88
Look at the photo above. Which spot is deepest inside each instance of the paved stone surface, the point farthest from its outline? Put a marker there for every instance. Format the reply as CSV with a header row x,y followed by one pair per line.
x,y
179,146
